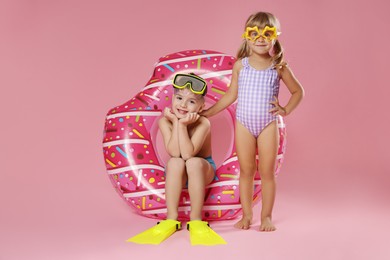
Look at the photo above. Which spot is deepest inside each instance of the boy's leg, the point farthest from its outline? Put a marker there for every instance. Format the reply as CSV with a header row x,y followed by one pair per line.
x,y
268,143
246,152
175,180
200,173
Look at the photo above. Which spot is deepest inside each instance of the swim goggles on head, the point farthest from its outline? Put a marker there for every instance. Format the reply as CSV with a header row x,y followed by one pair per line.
x,y
196,84
268,33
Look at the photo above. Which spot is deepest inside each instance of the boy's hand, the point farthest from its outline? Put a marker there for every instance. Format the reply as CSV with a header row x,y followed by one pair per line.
x,y
169,115
189,119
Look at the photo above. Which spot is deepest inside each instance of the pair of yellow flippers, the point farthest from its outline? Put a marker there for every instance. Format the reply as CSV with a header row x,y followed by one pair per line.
x,y
200,233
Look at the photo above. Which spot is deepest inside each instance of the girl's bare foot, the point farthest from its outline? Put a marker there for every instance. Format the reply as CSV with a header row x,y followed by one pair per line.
x,y
266,225
244,223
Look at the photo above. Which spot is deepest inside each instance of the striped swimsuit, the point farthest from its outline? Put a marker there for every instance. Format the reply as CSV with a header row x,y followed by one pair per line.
x,y
256,89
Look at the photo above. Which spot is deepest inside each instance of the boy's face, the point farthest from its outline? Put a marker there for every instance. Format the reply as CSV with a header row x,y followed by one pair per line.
x,y
184,101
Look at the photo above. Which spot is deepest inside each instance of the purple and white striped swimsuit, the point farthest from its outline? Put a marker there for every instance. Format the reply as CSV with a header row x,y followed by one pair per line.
x,y
256,89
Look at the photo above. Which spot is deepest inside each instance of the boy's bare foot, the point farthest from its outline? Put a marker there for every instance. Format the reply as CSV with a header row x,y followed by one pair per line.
x,y
266,225
244,223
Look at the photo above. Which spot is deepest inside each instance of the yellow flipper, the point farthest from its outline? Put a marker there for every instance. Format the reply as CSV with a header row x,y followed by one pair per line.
x,y
202,234
156,234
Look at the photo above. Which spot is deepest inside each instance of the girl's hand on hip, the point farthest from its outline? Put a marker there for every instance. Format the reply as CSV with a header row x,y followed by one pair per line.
x,y
278,109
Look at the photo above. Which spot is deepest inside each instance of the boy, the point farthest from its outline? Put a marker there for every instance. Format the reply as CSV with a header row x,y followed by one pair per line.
x,y
187,139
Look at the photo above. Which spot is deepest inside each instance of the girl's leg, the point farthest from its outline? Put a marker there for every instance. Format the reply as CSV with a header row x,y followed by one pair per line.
x,y
200,173
267,143
246,152
175,180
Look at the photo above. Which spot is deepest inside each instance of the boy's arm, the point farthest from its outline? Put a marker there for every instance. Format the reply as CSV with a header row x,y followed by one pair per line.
x,y
169,132
190,147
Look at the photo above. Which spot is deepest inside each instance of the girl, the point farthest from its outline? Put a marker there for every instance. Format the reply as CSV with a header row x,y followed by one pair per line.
x,y
255,82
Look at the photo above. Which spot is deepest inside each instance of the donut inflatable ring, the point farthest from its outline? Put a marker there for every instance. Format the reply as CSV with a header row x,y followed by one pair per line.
x,y
133,163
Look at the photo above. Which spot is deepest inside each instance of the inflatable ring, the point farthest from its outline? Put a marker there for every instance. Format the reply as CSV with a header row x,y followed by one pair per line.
x,y
129,142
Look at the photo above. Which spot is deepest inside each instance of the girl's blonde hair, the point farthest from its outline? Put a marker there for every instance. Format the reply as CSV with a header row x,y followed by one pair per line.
x,y
262,19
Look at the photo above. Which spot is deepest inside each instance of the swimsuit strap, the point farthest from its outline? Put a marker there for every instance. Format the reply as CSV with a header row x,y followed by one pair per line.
x,y
245,62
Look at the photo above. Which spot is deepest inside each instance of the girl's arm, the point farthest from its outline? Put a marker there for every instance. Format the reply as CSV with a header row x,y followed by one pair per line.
x,y
230,96
190,147
295,88
168,126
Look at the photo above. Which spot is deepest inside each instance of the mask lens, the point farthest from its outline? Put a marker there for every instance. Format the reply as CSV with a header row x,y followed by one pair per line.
x,y
197,85
180,80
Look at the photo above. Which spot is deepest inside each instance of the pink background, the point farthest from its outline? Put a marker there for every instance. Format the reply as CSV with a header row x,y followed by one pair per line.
x,y
64,64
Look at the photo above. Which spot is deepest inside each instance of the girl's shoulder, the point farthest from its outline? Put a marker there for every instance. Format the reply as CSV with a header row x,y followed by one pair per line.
x,y
238,65
282,68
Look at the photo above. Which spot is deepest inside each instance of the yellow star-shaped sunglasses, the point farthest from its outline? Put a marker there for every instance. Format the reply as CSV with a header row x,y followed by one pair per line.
x,y
268,33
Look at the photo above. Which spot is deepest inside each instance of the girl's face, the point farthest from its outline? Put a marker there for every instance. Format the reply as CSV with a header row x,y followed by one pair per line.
x,y
261,45
184,101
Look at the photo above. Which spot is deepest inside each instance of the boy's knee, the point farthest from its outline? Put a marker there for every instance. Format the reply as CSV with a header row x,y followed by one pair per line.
x,y
175,163
194,164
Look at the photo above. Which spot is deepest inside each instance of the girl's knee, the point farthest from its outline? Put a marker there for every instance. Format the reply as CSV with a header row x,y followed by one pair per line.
x,y
267,177
267,171
248,171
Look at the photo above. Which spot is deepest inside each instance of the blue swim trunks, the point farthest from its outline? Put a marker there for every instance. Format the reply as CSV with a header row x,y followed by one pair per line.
x,y
211,161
